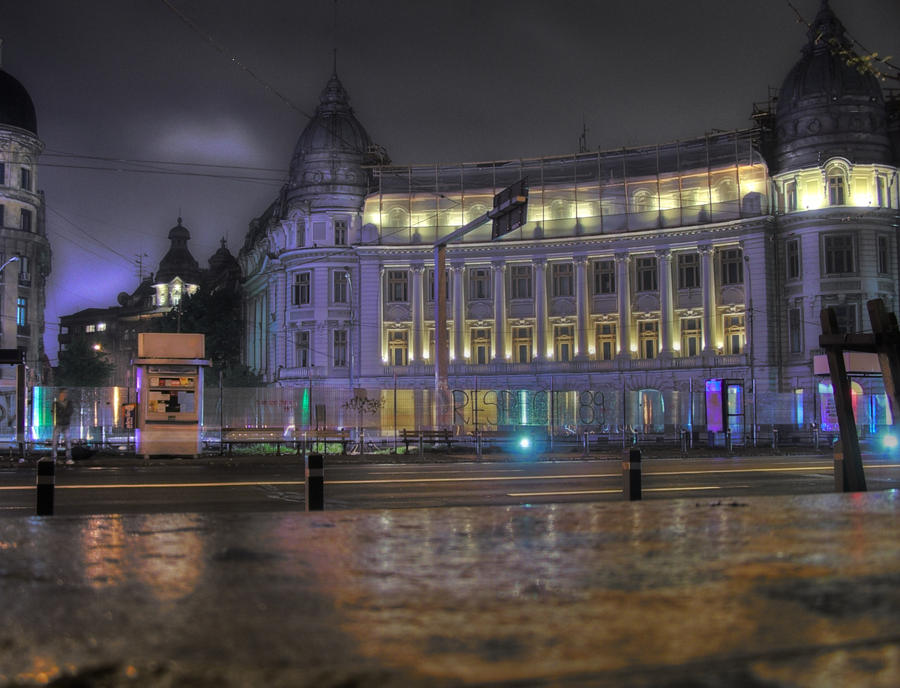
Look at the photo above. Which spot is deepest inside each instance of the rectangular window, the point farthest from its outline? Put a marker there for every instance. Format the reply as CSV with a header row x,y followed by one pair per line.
x,y
645,278
2,218
792,258
520,281
26,179
606,341
688,270
790,196
846,317
24,271
398,286
479,283
563,279
734,334
2,173
481,345
398,347
648,338
303,349
880,187
340,232
884,256
90,328
604,277
521,344
21,311
691,336
101,327
340,287
795,331
836,194
340,349
839,254
300,289
564,342
26,220
732,265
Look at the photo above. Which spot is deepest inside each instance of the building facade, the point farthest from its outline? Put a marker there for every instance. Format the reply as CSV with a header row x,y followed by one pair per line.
x,y
641,273
24,248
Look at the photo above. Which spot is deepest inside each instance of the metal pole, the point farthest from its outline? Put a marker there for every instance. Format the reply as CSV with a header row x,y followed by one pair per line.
x,y
395,413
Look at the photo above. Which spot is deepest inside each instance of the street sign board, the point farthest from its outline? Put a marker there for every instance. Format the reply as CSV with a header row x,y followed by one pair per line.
x,y
510,209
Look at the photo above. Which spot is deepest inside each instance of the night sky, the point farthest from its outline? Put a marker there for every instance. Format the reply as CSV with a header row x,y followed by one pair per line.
x,y
129,86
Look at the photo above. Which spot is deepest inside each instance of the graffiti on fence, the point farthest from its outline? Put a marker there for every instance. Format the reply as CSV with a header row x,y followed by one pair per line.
x,y
505,407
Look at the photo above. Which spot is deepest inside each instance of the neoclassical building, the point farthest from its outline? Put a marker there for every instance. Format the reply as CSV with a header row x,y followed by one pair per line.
x,y
24,248
640,274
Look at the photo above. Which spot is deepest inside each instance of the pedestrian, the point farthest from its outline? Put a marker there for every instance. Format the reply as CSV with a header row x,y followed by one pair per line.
x,y
62,416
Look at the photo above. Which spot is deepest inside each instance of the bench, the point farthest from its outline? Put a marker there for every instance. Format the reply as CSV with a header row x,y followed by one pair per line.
x,y
430,436
266,435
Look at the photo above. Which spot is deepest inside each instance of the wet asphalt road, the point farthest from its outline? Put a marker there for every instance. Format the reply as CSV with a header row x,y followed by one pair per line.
x,y
235,487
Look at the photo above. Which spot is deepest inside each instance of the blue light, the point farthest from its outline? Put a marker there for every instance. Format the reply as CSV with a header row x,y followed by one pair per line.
x,y
525,442
890,442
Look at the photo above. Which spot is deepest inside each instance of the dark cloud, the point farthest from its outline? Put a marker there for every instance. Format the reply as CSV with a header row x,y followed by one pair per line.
x,y
430,81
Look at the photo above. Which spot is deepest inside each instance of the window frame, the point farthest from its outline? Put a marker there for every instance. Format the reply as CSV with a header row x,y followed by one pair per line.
x,y
397,286
646,274
689,267
340,292
521,278
830,254
731,266
604,277
301,288
562,281
479,283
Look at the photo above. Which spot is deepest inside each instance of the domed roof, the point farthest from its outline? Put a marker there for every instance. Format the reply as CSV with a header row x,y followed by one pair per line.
x,y
327,163
827,106
16,106
178,261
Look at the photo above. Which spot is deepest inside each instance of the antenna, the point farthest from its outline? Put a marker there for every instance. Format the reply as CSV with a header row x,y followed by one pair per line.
x,y
139,262
334,39
582,139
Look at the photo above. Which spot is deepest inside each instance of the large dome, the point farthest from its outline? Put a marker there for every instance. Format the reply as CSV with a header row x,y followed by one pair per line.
x,y
827,106
326,167
16,107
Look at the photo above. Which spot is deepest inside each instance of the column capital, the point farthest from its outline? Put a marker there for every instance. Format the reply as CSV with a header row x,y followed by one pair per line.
x,y
417,267
622,257
498,264
664,254
457,267
705,249
539,261
580,260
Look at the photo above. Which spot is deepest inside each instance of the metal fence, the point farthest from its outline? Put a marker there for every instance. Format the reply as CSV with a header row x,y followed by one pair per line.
x,y
381,415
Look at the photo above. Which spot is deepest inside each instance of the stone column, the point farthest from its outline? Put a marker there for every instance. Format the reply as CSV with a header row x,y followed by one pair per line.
x,y
418,311
582,308
499,272
540,308
623,292
457,349
666,307
385,356
709,299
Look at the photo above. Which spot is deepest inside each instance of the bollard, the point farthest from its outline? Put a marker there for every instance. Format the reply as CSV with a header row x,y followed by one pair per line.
x,y
46,479
840,484
631,476
684,442
774,438
315,482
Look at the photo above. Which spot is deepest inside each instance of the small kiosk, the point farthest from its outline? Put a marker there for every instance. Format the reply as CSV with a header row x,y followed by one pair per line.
x,y
168,374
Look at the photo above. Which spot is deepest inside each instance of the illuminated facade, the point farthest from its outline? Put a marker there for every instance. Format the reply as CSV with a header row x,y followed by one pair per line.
x,y
23,237
648,270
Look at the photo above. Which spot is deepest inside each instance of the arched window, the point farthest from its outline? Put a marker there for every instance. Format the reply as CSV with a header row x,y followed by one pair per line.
x,y
643,201
836,183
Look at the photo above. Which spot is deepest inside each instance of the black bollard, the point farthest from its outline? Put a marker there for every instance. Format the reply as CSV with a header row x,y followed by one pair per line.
x,y
840,482
631,475
46,479
315,482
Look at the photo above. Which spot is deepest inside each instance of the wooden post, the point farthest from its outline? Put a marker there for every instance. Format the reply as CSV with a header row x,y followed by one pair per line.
x,y
854,478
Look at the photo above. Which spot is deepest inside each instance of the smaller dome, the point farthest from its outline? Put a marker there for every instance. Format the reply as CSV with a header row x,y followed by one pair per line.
x,y
179,232
16,106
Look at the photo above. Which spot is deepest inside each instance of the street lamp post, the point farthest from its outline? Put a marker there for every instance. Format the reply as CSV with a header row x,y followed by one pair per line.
x,y
20,387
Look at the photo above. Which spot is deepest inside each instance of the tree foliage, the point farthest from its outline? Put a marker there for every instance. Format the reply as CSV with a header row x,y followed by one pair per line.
x,y
82,366
217,315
